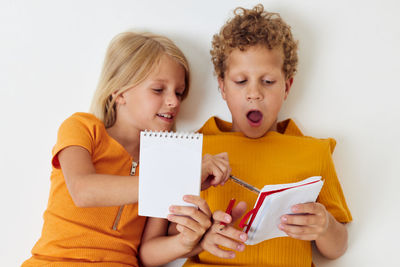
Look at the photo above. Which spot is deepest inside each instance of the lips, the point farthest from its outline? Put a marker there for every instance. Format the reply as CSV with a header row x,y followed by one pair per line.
x,y
254,116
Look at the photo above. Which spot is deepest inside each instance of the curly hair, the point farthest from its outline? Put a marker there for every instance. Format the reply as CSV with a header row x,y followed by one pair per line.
x,y
250,27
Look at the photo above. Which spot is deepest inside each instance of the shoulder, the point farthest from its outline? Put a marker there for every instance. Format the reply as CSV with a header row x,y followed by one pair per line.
x,y
82,125
82,120
292,133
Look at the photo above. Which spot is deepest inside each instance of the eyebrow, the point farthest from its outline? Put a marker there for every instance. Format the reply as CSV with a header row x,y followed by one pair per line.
x,y
163,80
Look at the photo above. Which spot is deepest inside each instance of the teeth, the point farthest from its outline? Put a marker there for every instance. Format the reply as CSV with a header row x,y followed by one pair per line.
x,y
168,116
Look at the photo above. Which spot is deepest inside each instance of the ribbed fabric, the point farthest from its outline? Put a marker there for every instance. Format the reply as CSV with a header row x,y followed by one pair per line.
x,y
279,157
74,236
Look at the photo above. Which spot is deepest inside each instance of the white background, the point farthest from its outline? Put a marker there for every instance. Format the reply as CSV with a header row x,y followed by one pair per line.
x,y
347,87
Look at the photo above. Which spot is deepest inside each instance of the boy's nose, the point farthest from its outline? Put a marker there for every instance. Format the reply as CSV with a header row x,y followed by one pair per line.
x,y
253,93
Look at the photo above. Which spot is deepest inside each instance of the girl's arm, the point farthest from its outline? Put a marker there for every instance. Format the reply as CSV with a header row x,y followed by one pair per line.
x,y
190,223
157,248
90,189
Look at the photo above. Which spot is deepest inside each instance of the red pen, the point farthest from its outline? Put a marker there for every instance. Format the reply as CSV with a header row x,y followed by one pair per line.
x,y
228,210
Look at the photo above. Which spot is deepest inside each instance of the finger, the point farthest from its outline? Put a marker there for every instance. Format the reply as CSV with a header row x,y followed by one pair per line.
x,y
230,232
302,220
216,251
183,221
239,210
219,164
226,242
296,229
299,232
226,169
199,202
187,234
220,172
223,155
220,216
192,217
311,208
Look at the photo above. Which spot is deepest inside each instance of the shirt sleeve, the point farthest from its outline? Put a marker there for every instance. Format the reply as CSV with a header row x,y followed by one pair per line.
x,y
331,195
74,131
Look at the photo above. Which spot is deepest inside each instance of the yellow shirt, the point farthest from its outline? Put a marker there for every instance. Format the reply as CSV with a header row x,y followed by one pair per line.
x,y
100,236
279,157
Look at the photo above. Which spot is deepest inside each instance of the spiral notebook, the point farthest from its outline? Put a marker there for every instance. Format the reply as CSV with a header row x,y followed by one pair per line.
x,y
169,168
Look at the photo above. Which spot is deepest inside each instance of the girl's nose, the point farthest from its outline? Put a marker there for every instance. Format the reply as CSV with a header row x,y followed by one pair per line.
x,y
172,100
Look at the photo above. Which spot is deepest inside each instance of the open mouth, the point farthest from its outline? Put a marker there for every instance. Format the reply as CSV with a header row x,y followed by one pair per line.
x,y
254,116
166,116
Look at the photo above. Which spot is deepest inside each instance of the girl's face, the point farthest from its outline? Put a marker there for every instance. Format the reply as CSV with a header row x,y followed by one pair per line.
x,y
154,103
254,88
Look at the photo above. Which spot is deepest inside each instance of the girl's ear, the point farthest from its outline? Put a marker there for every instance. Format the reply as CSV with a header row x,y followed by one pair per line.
x,y
222,87
288,85
119,98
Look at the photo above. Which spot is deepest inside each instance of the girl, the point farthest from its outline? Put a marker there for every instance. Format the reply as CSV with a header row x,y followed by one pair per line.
x,y
91,217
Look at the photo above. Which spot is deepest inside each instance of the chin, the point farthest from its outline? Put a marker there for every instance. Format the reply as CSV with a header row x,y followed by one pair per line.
x,y
254,134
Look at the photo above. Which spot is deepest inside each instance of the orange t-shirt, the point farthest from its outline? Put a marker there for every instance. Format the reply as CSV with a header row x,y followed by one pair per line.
x,y
285,156
101,236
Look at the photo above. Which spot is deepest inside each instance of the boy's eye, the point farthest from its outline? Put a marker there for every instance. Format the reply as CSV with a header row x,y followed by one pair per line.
x,y
268,81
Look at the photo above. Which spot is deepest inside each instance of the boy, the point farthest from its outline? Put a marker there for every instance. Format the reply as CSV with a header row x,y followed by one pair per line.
x,y
255,59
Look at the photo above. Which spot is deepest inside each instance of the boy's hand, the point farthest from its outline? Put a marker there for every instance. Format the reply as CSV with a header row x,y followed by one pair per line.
x,y
309,221
226,236
215,170
191,222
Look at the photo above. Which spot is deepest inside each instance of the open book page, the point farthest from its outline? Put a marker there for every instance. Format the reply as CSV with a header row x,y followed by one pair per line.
x,y
169,168
277,200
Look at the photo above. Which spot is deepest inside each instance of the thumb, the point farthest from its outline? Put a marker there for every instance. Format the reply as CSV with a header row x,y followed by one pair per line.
x,y
238,210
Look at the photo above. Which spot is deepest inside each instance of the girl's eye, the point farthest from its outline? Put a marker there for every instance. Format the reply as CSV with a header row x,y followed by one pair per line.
x,y
179,94
157,90
241,82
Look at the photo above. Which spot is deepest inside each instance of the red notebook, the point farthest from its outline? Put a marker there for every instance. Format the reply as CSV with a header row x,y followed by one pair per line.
x,y
274,201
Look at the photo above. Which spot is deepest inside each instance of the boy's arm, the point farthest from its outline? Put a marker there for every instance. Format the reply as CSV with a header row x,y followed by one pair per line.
x,y
311,221
333,243
191,223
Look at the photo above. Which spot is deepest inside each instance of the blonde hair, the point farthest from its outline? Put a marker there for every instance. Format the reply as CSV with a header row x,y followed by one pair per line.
x,y
251,27
129,59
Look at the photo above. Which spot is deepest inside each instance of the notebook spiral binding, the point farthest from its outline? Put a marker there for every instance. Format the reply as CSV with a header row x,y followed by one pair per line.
x,y
176,135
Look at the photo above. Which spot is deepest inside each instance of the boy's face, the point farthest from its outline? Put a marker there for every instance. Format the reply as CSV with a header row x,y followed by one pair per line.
x,y
254,87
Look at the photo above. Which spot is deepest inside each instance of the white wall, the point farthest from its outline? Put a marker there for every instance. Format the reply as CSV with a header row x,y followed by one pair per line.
x,y
347,88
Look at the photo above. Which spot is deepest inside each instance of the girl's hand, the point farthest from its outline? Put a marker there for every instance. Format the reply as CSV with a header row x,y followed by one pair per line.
x,y
227,236
309,221
191,222
215,170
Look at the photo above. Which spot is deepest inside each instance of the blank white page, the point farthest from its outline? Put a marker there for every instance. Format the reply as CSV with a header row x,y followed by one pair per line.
x,y
169,168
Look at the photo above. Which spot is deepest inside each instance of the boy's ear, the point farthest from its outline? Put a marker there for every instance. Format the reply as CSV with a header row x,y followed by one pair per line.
x,y
288,85
221,87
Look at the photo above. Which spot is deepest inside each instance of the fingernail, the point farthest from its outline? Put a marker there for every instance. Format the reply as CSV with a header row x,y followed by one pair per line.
x,y
227,218
295,208
185,197
284,219
243,237
281,226
240,247
171,208
232,255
